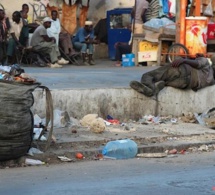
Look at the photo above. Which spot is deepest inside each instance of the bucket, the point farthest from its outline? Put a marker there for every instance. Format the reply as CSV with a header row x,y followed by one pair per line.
x,y
128,60
196,34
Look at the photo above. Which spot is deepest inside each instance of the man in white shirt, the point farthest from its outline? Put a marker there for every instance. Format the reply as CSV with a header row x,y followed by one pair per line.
x,y
63,39
55,28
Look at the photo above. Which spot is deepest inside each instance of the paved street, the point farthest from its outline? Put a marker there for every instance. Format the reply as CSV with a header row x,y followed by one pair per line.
x,y
102,75
191,174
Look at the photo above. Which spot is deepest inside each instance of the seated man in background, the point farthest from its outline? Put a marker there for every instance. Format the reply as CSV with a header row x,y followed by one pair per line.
x,y
181,73
122,48
62,39
41,42
101,31
18,35
84,41
4,27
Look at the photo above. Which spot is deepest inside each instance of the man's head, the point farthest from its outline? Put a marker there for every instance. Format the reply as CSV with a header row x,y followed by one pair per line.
x,y
24,14
25,8
54,14
88,26
16,16
47,22
2,14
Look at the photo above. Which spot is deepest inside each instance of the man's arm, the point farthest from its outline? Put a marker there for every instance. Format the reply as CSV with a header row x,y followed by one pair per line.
x,y
48,39
16,40
192,63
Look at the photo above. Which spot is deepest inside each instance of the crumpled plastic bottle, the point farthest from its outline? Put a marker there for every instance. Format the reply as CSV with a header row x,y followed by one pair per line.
x,y
120,149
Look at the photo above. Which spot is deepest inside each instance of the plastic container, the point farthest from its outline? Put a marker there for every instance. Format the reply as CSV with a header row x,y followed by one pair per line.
x,y
120,149
128,60
196,34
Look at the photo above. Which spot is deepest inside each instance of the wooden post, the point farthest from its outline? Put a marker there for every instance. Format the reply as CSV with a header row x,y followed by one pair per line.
x,y
198,8
182,20
177,36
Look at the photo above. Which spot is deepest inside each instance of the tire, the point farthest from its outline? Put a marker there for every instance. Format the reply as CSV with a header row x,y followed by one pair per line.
x,y
173,49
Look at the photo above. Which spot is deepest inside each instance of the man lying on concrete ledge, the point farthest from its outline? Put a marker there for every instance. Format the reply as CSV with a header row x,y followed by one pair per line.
x,y
181,73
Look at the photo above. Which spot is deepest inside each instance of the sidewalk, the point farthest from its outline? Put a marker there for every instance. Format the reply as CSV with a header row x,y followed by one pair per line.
x,y
150,138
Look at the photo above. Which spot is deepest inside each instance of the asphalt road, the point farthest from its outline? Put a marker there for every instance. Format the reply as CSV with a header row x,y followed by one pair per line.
x,y
102,75
192,174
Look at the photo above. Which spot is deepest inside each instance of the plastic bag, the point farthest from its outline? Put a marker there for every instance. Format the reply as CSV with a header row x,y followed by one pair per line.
x,y
208,10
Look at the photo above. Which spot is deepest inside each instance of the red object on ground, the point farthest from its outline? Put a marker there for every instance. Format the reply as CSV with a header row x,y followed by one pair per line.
x,y
182,151
113,121
79,155
173,151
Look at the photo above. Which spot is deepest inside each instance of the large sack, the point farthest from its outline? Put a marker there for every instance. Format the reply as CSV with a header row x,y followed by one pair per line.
x,y
16,119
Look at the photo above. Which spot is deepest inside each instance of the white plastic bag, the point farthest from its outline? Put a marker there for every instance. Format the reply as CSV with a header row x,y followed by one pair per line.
x,y
208,10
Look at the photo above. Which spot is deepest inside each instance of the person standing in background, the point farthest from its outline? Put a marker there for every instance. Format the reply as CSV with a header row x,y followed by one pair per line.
x,y
138,13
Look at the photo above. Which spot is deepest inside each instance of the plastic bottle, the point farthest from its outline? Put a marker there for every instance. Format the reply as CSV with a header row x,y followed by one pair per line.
x,y
29,161
120,149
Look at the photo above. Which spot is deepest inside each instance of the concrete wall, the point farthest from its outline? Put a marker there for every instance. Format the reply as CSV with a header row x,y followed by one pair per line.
x,y
126,103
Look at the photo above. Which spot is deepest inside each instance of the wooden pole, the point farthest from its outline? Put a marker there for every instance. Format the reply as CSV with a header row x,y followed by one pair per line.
x,y
198,8
182,21
177,21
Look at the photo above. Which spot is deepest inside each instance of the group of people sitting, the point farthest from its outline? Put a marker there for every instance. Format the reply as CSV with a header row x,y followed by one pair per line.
x,y
46,39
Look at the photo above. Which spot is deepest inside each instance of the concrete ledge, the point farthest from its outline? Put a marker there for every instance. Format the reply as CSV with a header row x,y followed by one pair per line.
x,y
125,103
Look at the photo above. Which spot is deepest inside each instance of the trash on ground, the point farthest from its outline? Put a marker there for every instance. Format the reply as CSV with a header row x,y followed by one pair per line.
x,y
29,161
79,155
33,151
173,151
107,123
188,117
182,152
152,155
61,118
95,123
120,149
37,132
206,118
114,121
65,159
203,148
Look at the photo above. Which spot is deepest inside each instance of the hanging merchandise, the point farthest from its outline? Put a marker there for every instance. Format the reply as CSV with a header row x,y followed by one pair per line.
x,y
208,10
165,6
172,7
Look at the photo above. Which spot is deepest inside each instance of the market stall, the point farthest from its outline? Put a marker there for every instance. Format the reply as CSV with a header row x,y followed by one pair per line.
x,y
184,37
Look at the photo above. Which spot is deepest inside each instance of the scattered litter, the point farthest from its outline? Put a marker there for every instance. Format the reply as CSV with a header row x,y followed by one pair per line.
x,y
203,148
120,149
98,157
107,123
114,121
182,152
37,132
174,120
33,151
173,151
79,155
61,118
65,159
152,155
206,118
29,161
109,117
